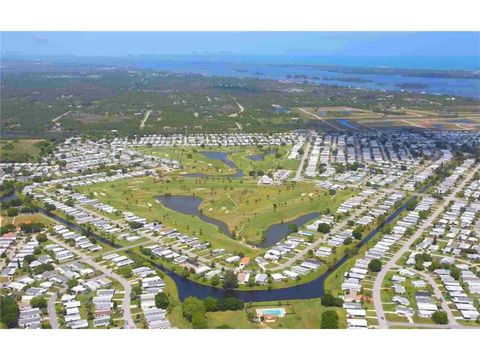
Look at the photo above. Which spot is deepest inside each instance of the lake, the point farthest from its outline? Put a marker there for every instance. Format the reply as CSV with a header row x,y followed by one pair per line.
x,y
189,205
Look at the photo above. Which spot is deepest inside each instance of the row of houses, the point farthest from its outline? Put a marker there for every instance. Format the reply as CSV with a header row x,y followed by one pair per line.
x,y
463,303
352,284
152,284
237,139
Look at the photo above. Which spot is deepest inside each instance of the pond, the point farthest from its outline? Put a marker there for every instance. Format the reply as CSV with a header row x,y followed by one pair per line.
x,y
261,156
277,232
189,205
312,289
223,157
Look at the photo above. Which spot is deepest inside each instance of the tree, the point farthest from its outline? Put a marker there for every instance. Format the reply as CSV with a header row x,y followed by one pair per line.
x,y
230,280
31,228
38,302
7,228
329,320
375,265
72,283
293,228
135,224
230,303
9,311
330,300
440,317
161,300
211,304
70,202
50,207
455,273
199,320
192,305
215,281
12,212
42,237
29,258
357,232
323,228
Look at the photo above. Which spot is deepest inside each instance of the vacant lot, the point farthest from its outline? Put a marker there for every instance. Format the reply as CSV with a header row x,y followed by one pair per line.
x,y
21,150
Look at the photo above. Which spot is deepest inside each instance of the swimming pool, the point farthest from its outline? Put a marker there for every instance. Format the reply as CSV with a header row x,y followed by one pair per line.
x,y
272,312
280,312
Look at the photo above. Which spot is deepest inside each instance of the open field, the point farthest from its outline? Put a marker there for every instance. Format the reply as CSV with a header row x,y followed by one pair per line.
x,y
26,218
247,209
307,314
348,118
20,150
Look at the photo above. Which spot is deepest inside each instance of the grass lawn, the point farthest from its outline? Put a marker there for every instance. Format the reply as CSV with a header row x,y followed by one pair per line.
x,y
274,157
175,307
234,319
244,206
192,160
307,315
26,218
20,150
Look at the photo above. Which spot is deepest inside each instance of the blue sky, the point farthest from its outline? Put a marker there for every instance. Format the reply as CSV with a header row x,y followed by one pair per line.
x,y
243,43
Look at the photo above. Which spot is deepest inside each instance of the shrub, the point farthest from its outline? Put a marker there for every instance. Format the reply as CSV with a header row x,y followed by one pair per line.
x,y
329,320
440,317
38,302
330,300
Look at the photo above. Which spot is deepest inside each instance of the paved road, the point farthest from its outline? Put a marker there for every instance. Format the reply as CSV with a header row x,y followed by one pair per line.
x,y
319,118
336,229
451,318
429,326
298,175
127,316
52,314
147,114
382,322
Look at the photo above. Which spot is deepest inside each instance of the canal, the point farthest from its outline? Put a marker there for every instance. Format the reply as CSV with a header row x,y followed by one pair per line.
x,y
187,287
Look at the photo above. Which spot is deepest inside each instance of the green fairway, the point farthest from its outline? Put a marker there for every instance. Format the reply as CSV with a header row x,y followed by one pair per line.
x,y
191,159
247,208
271,158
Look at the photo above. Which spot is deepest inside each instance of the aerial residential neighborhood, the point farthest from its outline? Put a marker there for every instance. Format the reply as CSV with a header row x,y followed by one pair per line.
x,y
383,223
231,194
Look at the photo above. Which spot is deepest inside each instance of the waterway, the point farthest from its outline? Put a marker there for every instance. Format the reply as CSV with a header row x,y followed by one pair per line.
x,y
369,81
312,289
190,205
277,232
261,156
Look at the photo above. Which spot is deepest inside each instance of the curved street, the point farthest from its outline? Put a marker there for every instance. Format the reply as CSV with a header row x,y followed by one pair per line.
x,y
127,316
377,286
